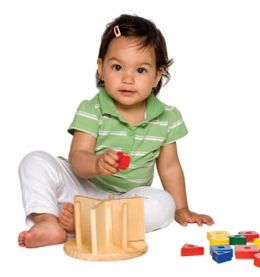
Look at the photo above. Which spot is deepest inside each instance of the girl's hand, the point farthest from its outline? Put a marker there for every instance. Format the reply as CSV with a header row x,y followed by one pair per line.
x,y
107,163
185,216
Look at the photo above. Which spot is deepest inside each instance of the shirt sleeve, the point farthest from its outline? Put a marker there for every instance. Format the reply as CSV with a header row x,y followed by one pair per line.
x,y
176,127
85,119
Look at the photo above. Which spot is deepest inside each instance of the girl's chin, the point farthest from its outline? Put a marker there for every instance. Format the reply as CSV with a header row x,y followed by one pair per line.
x,y
126,103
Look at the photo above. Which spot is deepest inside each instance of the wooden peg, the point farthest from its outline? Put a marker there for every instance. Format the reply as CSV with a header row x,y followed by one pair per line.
x,y
93,232
124,223
78,229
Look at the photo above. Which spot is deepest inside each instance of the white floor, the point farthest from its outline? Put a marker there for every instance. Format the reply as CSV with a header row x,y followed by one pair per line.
x,y
163,257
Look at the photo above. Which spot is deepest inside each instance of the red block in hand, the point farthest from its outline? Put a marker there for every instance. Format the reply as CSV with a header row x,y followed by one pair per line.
x,y
191,250
124,160
250,235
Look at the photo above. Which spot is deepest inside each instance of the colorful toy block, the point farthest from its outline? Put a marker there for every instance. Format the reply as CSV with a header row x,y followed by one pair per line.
x,y
221,256
217,234
250,235
221,248
191,250
257,260
124,160
237,239
257,242
218,240
246,251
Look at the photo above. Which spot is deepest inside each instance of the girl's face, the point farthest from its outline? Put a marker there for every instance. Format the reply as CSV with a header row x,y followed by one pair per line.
x,y
129,71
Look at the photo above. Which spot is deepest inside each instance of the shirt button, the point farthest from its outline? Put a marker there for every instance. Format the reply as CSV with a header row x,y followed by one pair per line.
x,y
130,134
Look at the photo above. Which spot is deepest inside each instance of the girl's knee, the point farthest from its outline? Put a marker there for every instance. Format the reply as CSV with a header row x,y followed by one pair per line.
x,y
35,165
34,155
34,158
159,208
164,205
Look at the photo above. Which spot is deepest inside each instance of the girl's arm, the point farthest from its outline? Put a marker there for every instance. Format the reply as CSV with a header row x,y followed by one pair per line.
x,y
84,163
172,178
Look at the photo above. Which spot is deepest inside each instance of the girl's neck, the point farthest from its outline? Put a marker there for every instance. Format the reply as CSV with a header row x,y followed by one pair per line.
x,y
133,114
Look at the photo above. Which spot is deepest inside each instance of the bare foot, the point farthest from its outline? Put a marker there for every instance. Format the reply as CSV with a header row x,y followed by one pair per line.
x,y
46,231
66,218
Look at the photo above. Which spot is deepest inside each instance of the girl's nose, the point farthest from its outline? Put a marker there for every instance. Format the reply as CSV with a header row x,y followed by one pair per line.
x,y
128,78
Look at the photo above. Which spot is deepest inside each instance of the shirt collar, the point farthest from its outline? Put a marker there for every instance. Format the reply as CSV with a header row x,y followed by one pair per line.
x,y
107,105
154,106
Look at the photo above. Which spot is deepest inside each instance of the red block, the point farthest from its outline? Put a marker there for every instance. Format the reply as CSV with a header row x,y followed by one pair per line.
x,y
191,250
124,160
257,260
246,251
250,235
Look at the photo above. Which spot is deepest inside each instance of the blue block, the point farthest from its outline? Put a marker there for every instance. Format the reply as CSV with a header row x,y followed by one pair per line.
x,y
224,247
221,256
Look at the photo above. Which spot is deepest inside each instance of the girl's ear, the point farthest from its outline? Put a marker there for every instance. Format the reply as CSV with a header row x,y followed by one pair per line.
x,y
100,69
158,77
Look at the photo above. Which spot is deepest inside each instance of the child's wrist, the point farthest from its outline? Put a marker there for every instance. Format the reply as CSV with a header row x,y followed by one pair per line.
x,y
182,209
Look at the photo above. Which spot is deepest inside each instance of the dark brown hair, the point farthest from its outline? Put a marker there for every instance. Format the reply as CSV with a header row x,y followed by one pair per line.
x,y
138,27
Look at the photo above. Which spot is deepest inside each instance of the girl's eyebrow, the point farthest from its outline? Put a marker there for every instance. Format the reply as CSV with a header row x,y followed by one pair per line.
x,y
146,63
119,61
114,59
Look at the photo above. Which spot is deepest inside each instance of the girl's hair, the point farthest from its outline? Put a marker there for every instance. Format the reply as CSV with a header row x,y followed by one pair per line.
x,y
138,27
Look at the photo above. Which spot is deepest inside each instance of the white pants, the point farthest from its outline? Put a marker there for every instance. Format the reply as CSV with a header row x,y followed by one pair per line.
x,y
48,182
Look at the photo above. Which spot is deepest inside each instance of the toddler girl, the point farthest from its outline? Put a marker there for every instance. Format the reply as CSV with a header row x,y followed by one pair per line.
x,y
124,116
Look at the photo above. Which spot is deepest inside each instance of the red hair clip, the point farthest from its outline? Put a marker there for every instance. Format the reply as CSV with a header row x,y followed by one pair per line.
x,y
117,31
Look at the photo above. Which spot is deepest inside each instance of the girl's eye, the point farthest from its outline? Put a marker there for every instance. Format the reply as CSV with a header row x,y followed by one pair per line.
x,y
141,70
117,67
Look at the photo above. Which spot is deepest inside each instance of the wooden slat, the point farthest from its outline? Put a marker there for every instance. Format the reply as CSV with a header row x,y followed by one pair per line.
x,y
136,226
86,205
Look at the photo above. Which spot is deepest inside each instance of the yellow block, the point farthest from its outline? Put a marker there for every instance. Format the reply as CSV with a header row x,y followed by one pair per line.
x,y
217,234
218,240
257,242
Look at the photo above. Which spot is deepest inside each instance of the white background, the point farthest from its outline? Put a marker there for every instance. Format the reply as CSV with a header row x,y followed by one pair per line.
x,y
48,54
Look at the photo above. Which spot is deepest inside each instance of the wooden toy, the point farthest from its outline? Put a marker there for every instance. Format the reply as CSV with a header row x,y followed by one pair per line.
x,y
124,160
191,250
218,240
257,242
217,234
257,260
107,230
221,256
221,248
237,239
250,235
246,251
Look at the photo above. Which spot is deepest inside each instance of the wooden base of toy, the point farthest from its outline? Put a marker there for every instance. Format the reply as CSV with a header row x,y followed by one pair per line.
x,y
110,253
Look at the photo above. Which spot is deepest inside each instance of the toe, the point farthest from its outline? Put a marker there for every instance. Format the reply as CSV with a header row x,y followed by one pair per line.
x,y
66,215
68,207
21,244
63,218
22,235
21,239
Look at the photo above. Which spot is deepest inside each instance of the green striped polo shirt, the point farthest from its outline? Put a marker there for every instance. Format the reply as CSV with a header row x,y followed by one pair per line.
x,y
162,125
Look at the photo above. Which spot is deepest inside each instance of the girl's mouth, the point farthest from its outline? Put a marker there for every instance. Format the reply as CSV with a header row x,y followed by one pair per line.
x,y
127,92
